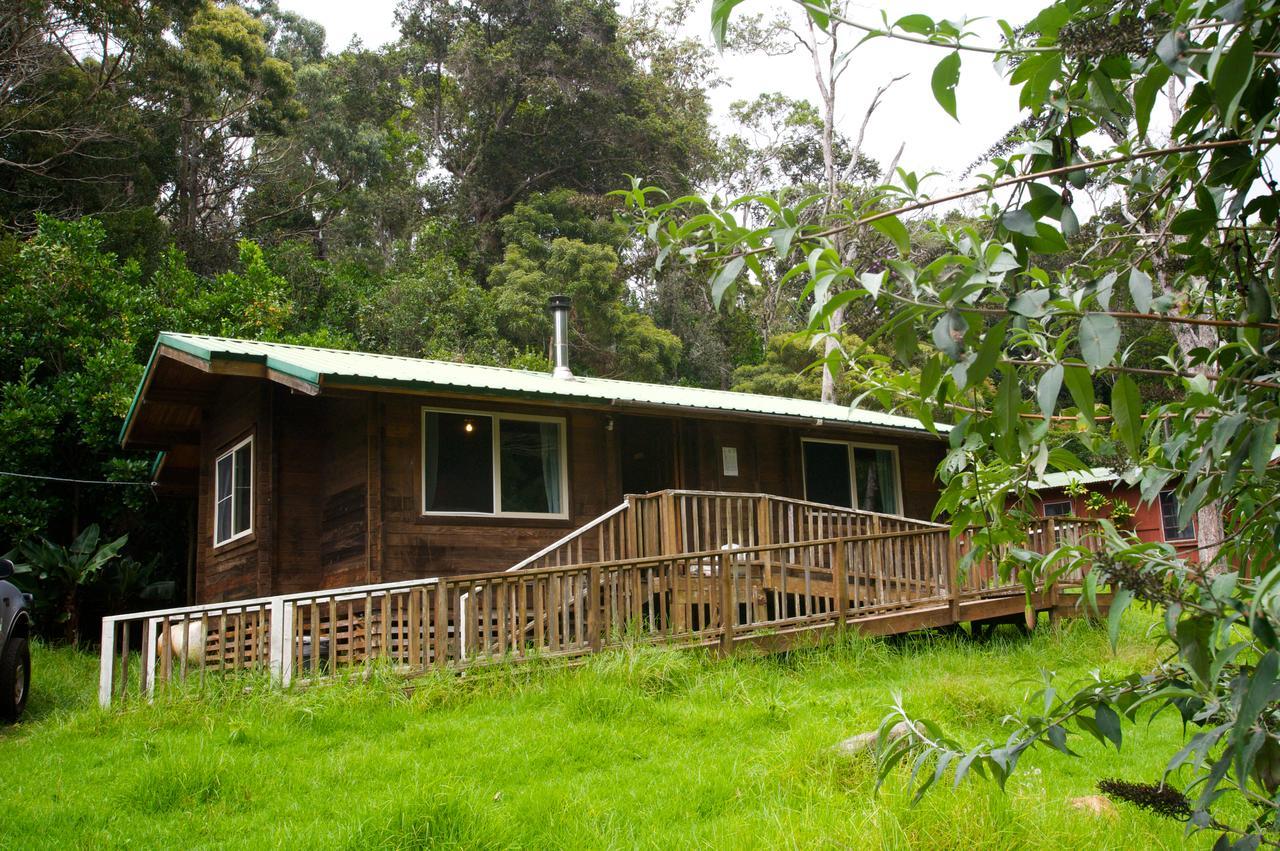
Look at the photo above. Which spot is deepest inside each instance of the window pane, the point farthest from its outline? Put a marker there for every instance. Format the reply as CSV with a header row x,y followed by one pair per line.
x,y
826,473
1057,509
877,479
1169,517
222,502
241,520
530,463
459,463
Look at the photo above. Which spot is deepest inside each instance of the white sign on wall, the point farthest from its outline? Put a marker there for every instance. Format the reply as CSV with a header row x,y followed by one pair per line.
x,y
730,457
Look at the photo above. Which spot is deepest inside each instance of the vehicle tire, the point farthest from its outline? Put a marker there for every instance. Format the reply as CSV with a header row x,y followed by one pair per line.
x,y
15,679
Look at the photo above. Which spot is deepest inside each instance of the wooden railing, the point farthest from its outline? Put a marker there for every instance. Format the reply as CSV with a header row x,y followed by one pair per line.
x,y
1043,535
683,521
750,565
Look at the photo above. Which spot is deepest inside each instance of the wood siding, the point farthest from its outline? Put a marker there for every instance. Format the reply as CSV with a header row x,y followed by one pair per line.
x,y
338,493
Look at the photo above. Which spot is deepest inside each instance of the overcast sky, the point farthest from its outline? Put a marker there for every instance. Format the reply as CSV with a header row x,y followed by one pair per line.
x,y
934,141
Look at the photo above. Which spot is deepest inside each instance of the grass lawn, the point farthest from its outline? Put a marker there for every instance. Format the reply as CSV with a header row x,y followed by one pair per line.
x,y
642,748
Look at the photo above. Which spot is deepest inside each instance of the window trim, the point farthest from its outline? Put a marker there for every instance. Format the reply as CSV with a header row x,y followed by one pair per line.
x,y
1164,530
853,480
1048,502
235,536
495,417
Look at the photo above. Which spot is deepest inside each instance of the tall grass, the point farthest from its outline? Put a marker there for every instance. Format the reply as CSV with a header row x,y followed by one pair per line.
x,y
639,747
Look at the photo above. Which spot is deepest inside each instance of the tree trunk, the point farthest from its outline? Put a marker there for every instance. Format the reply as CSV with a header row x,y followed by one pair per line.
x,y
828,378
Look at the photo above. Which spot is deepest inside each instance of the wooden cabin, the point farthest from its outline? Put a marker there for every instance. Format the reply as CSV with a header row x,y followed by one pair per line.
x,y
1067,495
314,469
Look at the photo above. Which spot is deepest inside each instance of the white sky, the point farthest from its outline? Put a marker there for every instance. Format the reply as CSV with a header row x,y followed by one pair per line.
x,y
987,105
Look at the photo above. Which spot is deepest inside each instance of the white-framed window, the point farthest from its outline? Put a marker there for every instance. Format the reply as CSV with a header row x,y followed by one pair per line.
x,y
484,463
855,475
1169,509
1058,508
233,493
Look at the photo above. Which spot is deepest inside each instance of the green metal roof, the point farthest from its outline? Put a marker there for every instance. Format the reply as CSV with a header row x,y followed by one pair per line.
x,y
318,367
1092,476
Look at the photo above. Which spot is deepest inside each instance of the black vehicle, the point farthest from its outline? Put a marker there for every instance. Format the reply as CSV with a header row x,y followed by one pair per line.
x,y
15,655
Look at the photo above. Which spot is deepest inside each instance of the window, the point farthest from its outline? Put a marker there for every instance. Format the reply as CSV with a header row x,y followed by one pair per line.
x,y
853,475
477,463
233,493
1169,518
1057,509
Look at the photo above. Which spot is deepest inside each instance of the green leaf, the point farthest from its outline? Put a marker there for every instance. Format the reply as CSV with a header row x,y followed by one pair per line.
x,y
1232,78
1140,290
782,240
1048,389
946,74
1255,696
720,11
918,24
725,278
1261,446
1029,303
1145,92
988,353
1126,410
892,227
1080,385
1108,723
1070,224
1119,602
948,333
1172,51
1019,221
1099,339
1007,419
872,282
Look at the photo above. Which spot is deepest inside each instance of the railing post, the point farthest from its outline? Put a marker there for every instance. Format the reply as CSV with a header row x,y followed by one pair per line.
x,y
668,528
149,660
631,528
595,613
107,663
275,644
441,626
728,604
1051,588
841,570
953,575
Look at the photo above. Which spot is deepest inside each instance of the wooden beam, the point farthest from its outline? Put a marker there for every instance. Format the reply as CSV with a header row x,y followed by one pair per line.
x,y
373,490
244,368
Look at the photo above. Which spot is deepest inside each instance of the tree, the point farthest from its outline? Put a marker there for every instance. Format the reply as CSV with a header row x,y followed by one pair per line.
x,y
520,98
1197,251
79,131
227,96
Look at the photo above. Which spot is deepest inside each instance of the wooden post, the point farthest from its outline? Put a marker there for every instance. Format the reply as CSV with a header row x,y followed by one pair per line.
x,y
840,568
442,624
107,662
1051,588
595,613
728,603
276,641
148,661
953,573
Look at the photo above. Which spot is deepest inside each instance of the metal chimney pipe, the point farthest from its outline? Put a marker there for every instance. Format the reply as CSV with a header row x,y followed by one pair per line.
x,y
559,307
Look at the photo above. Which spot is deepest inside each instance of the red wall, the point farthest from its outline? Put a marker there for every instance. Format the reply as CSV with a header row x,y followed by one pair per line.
x,y
1146,520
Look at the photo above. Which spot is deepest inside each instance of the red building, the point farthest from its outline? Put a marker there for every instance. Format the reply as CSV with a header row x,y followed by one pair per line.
x,y
1099,492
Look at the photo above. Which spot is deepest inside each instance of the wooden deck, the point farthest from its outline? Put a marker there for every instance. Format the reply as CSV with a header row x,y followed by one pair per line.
x,y
691,569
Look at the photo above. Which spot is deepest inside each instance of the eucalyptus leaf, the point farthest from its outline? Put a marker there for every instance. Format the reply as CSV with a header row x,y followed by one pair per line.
x,y
946,74
1099,339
